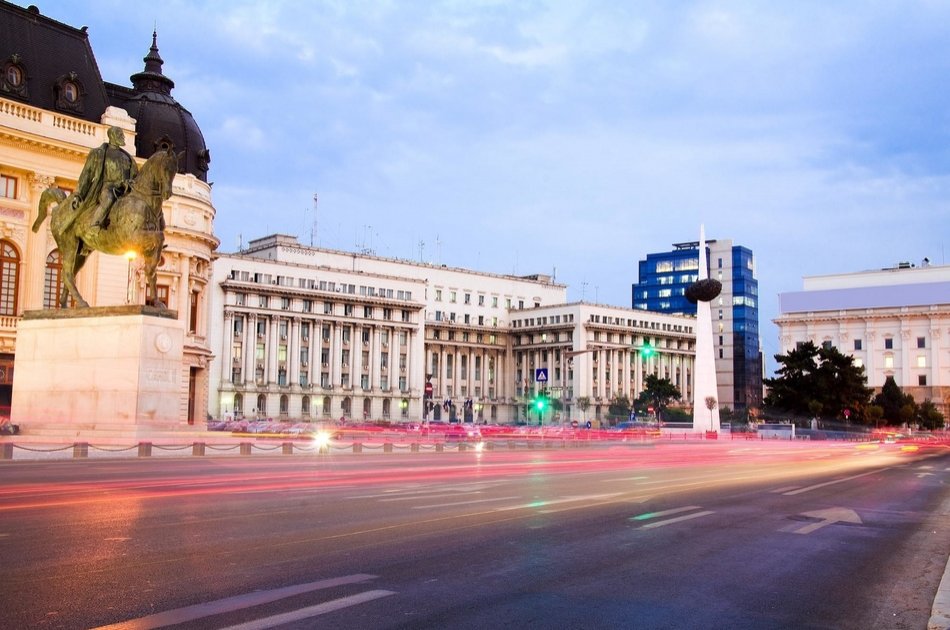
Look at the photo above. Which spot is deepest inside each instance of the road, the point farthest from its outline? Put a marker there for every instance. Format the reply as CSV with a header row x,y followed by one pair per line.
x,y
669,535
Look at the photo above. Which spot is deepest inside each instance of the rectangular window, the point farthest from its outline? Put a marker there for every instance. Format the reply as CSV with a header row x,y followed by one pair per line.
x,y
921,342
888,343
922,380
8,186
889,362
857,344
921,361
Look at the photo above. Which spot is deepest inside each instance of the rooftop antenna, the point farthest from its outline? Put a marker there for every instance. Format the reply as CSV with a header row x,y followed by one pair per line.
x,y
438,250
313,226
583,289
422,247
364,248
240,241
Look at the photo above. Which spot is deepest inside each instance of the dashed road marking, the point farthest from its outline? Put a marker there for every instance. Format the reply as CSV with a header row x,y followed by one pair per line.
x,y
651,515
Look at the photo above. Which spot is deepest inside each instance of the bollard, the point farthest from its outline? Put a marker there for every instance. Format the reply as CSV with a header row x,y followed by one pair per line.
x,y
387,447
439,447
198,449
245,448
414,447
288,448
145,449
357,447
81,449
7,451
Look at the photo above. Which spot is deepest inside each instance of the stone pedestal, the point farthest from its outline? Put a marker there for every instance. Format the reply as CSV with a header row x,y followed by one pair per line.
x,y
98,371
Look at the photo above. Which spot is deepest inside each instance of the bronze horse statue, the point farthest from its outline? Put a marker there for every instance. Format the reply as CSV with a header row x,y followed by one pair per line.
x,y
136,224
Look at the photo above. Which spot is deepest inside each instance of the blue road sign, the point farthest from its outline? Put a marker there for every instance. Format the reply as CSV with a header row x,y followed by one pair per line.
x,y
541,375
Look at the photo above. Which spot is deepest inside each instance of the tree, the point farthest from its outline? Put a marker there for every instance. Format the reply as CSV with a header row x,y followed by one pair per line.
x,y
812,374
874,413
659,391
893,399
710,405
619,408
928,417
583,403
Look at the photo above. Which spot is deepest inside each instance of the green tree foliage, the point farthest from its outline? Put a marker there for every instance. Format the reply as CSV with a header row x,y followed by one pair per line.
x,y
619,408
659,392
874,413
929,417
893,399
810,376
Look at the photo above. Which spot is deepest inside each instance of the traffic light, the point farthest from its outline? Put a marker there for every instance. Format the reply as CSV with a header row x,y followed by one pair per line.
x,y
646,350
540,402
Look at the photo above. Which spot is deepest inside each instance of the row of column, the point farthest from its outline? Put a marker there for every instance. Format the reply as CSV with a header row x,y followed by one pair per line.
x,y
272,340
485,378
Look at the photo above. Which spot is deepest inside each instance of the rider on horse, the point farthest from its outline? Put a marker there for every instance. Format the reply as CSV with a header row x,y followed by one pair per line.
x,y
106,176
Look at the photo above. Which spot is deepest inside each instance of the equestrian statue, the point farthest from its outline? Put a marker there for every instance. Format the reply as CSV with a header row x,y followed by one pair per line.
x,y
115,209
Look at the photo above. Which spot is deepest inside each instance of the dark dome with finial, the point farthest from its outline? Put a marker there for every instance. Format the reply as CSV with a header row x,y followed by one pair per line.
x,y
160,120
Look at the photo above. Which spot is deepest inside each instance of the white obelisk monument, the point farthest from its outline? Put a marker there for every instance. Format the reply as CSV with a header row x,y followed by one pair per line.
x,y
704,369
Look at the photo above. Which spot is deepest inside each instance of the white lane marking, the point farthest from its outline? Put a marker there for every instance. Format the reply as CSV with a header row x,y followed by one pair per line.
x,y
311,611
670,521
831,483
785,489
438,505
649,515
428,496
229,604
540,503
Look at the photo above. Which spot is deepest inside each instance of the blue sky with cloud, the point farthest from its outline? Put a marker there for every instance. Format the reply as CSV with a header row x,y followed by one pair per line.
x,y
524,137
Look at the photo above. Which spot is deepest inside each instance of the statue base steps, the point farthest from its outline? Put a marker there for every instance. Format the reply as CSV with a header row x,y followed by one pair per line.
x,y
99,372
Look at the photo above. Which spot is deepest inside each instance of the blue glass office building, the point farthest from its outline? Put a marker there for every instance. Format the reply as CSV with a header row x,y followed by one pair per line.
x,y
663,278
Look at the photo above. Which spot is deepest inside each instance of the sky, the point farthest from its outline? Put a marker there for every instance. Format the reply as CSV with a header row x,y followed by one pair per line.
x,y
564,137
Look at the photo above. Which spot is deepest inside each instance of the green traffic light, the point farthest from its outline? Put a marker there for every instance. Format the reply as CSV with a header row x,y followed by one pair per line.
x,y
539,403
647,350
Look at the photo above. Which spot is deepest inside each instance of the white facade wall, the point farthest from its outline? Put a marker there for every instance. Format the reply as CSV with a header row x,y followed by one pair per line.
x,y
896,324
470,336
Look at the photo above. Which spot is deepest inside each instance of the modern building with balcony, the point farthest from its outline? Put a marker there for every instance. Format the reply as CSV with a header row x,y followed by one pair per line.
x,y
661,287
894,321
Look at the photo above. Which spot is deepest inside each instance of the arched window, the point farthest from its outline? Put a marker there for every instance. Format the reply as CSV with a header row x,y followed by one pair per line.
x,y
326,406
238,406
261,406
346,406
53,281
9,278
284,404
386,408
367,408
305,406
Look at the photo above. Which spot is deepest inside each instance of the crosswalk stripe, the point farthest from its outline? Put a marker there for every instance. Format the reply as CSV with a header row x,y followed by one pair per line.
x,y
311,611
230,604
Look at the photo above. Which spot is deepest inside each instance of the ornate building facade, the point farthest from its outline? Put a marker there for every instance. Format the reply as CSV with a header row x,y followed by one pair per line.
x,y
894,322
54,108
304,333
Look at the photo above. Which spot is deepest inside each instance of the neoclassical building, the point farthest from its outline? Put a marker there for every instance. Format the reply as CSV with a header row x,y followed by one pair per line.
x,y
306,333
895,322
54,108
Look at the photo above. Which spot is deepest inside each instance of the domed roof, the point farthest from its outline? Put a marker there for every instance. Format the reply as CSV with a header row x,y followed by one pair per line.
x,y
160,119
